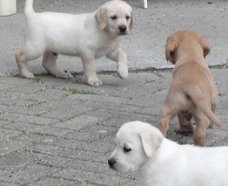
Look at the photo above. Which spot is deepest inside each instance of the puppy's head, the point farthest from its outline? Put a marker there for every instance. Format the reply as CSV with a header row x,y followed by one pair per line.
x,y
135,142
185,41
115,17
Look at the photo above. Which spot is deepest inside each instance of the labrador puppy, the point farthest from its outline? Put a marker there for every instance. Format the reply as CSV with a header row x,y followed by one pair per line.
x,y
88,36
162,162
193,92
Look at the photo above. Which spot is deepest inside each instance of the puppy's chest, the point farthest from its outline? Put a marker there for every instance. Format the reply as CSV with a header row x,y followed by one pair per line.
x,y
104,51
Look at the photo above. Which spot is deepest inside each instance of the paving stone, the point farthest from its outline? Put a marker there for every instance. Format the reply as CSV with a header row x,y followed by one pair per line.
x,y
8,146
15,159
55,182
7,134
32,173
61,133
78,122
89,177
27,118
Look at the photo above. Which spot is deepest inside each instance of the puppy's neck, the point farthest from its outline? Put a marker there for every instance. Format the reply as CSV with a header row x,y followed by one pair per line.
x,y
159,160
190,54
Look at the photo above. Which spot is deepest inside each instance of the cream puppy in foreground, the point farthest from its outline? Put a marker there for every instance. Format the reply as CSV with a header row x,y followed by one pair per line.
x,y
162,162
88,36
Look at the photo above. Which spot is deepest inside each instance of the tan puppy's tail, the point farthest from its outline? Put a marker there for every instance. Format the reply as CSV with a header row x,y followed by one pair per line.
x,y
29,7
199,100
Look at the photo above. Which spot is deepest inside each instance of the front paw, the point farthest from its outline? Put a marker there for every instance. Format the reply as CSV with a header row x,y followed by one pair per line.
x,y
64,75
123,73
95,82
68,75
27,75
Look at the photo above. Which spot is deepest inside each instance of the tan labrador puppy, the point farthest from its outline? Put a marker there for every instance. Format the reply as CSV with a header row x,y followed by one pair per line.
x,y
192,92
89,36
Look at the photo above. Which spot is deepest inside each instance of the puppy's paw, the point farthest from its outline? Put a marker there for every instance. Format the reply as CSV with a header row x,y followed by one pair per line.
x,y
65,75
28,75
123,73
68,75
95,82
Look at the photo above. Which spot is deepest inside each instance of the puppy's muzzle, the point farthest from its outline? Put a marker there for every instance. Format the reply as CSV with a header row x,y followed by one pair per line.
x,y
111,163
122,29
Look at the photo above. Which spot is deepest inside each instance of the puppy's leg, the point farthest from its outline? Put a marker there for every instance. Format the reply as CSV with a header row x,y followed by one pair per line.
x,y
22,65
30,52
166,114
185,122
202,123
90,71
121,57
213,107
49,63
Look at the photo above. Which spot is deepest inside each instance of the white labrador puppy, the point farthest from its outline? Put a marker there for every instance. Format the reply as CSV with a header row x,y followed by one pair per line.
x,y
89,36
140,146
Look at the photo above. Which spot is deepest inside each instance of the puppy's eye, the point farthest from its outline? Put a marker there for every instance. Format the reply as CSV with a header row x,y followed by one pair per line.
x,y
113,17
126,149
127,17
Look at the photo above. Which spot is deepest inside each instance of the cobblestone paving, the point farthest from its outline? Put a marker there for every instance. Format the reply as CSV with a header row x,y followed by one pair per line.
x,y
59,132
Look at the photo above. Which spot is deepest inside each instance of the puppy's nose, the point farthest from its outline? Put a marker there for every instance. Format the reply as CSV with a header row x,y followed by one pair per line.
x,y
111,162
122,28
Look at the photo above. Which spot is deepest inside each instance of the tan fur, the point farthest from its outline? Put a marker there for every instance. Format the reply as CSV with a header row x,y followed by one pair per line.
x,y
192,92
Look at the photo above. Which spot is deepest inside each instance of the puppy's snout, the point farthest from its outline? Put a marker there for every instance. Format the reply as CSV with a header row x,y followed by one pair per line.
x,y
122,28
111,162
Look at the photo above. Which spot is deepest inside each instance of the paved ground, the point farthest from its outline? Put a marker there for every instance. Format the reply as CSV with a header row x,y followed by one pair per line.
x,y
59,132
145,45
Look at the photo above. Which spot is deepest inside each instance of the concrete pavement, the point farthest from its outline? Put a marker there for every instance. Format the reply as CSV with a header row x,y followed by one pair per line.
x,y
59,132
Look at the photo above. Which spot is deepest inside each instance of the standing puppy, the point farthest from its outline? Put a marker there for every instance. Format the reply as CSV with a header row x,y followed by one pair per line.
x,y
162,162
192,92
89,36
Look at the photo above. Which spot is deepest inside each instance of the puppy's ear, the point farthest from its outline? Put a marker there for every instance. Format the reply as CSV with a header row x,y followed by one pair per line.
x,y
151,141
206,47
101,17
131,23
170,50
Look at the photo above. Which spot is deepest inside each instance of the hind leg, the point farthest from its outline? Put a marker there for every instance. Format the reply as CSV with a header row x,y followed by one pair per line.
x,y
49,63
22,65
30,52
202,123
166,115
213,107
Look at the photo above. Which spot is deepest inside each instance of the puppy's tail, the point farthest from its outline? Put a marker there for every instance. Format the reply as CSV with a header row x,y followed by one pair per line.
x,y
29,7
199,100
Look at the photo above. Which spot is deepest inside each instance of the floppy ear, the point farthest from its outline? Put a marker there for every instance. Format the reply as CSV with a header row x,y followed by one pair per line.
x,y
151,141
101,18
206,47
131,23
170,50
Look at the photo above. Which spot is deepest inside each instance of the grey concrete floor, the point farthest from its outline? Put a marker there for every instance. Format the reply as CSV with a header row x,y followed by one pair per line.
x,y
61,132
58,132
144,46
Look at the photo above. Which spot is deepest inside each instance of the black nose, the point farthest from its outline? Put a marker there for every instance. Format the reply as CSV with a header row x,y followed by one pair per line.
x,y
122,28
111,162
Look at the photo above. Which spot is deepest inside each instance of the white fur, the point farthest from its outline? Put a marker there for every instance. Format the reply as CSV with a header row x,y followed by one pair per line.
x,y
170,164
88,36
